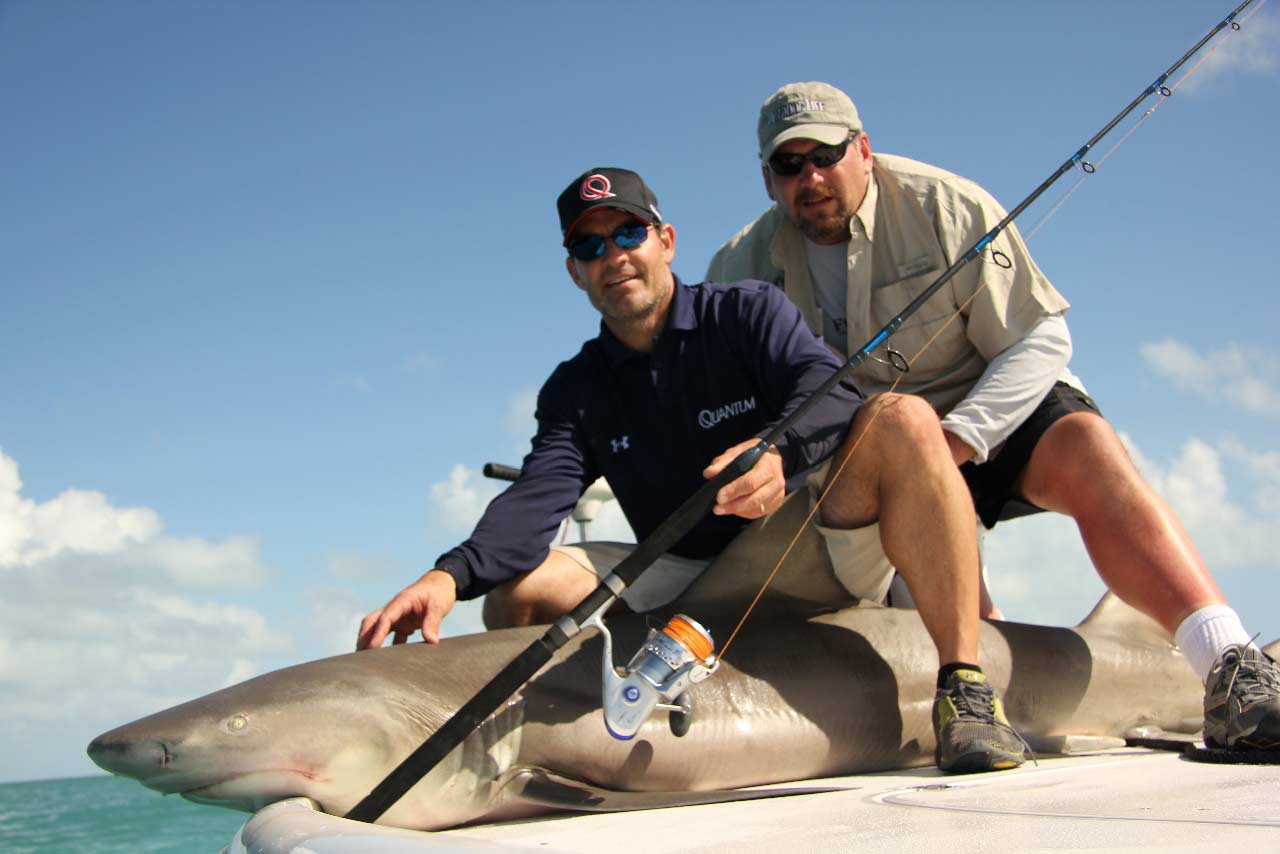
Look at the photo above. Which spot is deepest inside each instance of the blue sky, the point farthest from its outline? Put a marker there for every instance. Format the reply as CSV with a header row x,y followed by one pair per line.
x,y
277,279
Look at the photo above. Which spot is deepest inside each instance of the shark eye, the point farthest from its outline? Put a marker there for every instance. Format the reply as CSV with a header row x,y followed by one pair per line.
x,y
236,723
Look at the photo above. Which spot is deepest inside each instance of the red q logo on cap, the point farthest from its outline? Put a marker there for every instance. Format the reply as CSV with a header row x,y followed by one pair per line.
x,y
595,187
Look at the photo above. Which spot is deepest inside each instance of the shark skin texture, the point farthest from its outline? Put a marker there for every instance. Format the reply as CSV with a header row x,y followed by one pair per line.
x,y
798,696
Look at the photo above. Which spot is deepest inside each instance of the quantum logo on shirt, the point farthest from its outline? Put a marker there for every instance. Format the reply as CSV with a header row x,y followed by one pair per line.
x,y
709,418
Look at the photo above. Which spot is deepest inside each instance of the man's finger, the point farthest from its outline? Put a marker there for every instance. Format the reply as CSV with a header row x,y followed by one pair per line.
x,y
740,487
431,627
717,465
373,631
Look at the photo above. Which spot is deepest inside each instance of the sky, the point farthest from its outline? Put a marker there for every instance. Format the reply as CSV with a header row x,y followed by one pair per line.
x,y
277,279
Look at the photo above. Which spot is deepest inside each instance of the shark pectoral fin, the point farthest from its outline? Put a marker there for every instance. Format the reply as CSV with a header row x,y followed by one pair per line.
x,y
537,785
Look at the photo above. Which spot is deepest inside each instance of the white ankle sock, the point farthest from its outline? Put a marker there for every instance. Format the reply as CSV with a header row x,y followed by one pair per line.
x,y
1206,633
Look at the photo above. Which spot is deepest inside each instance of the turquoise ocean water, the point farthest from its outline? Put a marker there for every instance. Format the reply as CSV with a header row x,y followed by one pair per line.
x,y
108,815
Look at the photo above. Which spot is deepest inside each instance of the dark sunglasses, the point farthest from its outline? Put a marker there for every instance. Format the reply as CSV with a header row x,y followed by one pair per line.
x,y
788,163
627,236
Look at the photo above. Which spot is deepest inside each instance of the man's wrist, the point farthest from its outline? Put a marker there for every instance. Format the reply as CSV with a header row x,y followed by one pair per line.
x,y
432,576
961,451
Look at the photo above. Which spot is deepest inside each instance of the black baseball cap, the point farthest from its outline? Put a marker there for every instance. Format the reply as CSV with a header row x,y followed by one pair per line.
x,y
605,187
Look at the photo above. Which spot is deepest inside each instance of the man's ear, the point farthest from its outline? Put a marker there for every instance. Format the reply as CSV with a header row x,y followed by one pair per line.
x,y
571,264
667,234
768,183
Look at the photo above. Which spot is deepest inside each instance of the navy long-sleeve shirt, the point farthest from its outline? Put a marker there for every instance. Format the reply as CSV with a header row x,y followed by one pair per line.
x,y
733,361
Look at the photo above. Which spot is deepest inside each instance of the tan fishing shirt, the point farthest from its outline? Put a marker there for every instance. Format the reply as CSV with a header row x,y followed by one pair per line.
x,y
914,222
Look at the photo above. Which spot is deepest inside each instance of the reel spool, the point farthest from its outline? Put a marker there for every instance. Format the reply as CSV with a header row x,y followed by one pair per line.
x,y
671,659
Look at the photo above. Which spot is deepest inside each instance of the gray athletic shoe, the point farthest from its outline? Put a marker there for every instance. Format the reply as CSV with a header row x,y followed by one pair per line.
x,y
972,732
1242,701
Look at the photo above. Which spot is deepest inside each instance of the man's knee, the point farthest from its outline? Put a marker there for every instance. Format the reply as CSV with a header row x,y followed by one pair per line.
x,y
891,439
1078,454
899,426
504,608
514,604
540,596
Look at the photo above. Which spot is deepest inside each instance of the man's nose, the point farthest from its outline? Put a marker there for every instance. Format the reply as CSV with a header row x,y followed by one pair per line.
x,y
614,255
809,172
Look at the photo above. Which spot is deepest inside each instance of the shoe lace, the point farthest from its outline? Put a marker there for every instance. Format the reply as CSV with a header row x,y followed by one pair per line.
x,y
975,701
1258,677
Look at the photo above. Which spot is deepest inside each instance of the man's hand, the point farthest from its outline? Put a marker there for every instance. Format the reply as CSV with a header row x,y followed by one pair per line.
x,y
420,606
960,450
758,492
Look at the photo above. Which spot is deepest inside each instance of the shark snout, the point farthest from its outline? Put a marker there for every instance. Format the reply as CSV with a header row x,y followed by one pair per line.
x,y
130,757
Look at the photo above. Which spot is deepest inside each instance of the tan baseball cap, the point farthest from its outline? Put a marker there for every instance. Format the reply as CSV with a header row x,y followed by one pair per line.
x,y
817,111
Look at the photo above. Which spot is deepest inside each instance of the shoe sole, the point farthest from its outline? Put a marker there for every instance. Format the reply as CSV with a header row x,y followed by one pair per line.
x,y
980,760
1228,756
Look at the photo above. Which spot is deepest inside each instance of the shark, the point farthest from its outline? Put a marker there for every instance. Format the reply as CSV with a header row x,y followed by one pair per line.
x,y
797,697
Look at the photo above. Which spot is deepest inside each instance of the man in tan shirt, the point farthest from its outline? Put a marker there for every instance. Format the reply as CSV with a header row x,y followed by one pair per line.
x,y
852,239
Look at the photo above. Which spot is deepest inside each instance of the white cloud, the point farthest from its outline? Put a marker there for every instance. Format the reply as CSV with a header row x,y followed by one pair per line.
x,y
105,618
458,503
1262,468
1039,572
75,521
82,533
1227,533
1245,377
75,648
1251,50
333,619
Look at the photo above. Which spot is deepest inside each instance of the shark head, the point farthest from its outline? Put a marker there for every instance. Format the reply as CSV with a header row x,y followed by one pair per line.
x,y
328,730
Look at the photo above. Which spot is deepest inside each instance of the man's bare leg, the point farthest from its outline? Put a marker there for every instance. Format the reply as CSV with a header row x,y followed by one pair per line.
x,y
1140,549
902,475
900,472
541,596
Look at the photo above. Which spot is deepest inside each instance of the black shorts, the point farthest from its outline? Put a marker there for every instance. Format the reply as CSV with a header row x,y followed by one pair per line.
x,y
992,483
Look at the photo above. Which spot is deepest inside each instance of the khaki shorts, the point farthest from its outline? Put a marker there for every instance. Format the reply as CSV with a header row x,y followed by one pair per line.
x,y
664,580
858,562
857,558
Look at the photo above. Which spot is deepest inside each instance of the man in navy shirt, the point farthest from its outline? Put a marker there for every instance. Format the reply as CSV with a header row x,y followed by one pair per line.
x,y
679,381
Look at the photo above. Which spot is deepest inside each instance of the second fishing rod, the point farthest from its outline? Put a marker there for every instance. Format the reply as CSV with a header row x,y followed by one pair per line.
x,y
515,674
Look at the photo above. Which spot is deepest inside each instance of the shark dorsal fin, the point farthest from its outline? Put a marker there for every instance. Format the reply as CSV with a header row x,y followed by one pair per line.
x,y
1112,616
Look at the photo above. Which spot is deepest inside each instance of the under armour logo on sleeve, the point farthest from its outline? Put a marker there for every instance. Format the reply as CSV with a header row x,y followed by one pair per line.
x,y
622,444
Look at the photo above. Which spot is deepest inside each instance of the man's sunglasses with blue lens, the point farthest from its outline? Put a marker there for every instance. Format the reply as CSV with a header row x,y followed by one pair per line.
x,y
789,163
627,236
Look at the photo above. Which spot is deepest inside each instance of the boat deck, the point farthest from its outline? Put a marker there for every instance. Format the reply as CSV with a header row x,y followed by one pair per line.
x,y
1126,799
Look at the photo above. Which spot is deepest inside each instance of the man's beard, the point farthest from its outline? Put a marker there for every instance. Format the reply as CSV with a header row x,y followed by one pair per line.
x,y
647,305
829,228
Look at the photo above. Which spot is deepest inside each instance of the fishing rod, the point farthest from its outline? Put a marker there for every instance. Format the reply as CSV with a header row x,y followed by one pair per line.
x,y
514,675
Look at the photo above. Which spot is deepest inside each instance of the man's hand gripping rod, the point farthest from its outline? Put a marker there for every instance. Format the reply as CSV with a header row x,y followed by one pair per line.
x,y
510,679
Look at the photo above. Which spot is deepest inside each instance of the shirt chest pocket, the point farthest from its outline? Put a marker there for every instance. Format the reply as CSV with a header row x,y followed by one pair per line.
x,y
926,339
